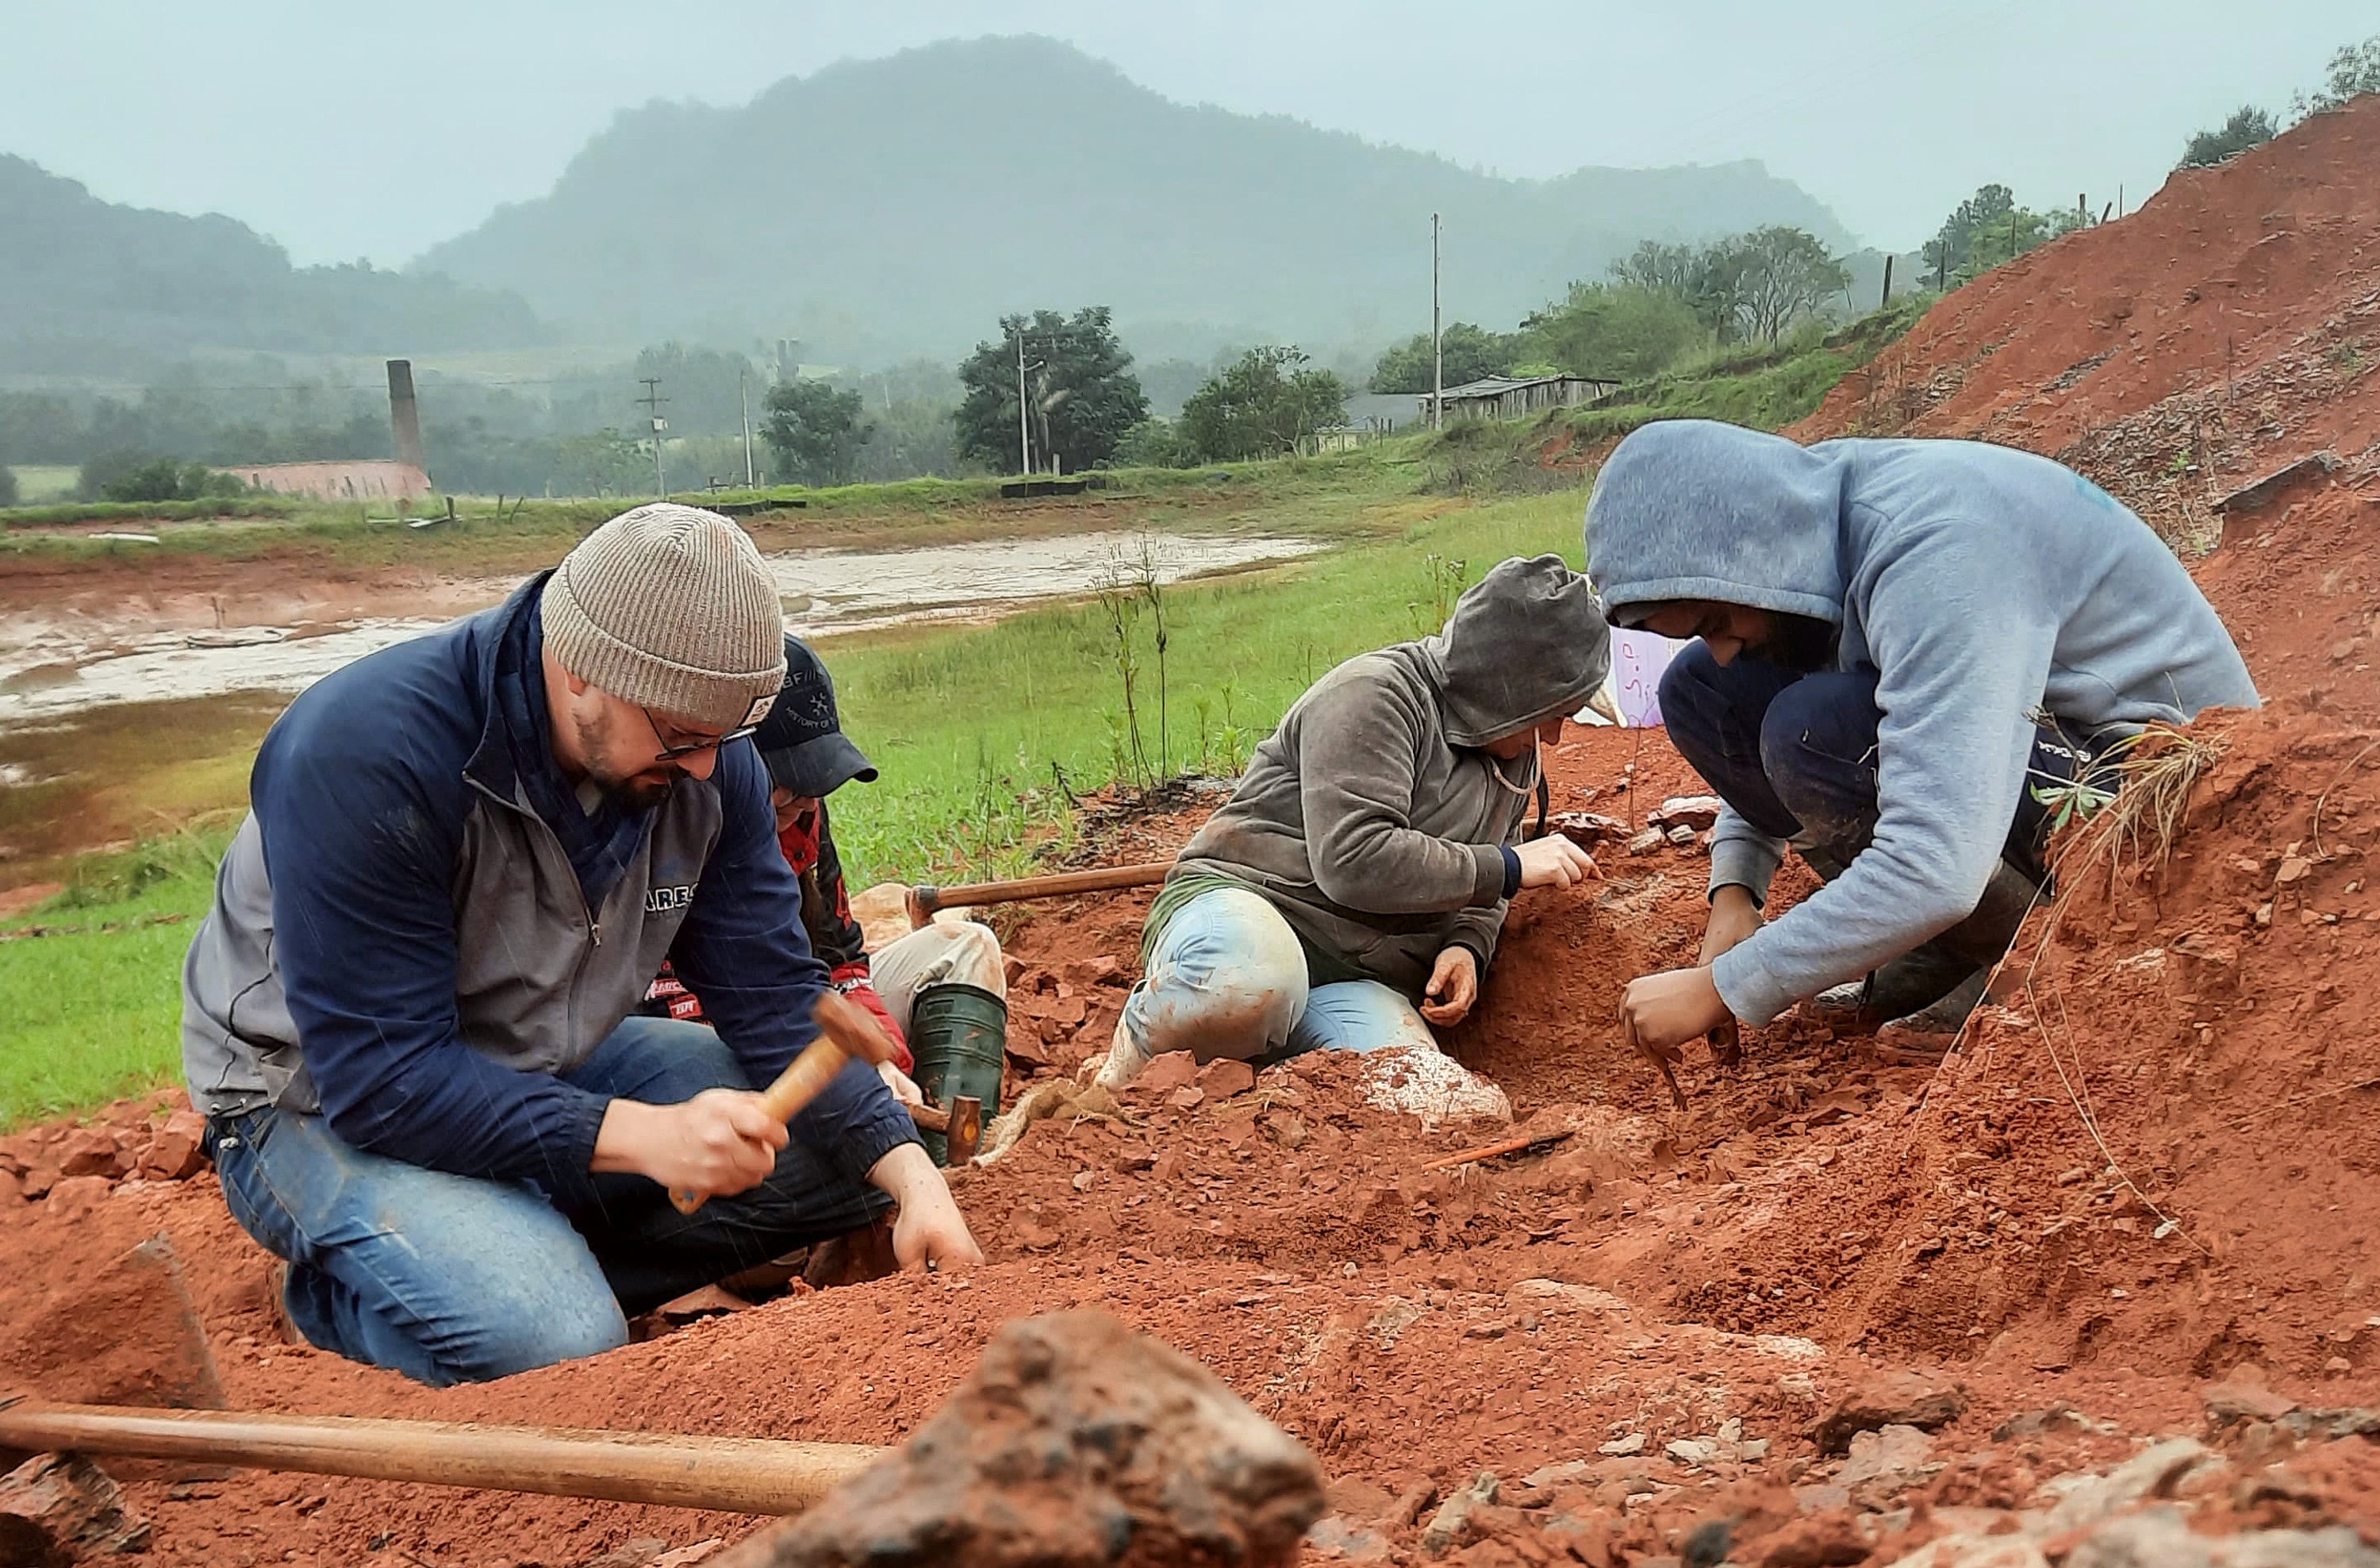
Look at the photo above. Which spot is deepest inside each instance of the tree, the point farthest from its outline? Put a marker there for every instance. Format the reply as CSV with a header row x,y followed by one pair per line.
x,y
1469,353
1780,274
1654,265
1709,278
2248,127
8,485
1080,392
1263,404
2354,70
1155,444
1610,331
815,430
1987,228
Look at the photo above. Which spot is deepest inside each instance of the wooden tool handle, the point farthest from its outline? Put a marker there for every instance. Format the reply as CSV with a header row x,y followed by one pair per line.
x,y
734,1475
845,1030
922,900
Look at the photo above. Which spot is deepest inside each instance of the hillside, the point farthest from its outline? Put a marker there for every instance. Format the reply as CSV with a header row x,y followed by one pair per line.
x,y
2226,328
898,206
97,288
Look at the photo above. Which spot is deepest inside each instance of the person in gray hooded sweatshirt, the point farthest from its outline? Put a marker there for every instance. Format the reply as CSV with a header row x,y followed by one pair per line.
x,y
1364,862
1907,649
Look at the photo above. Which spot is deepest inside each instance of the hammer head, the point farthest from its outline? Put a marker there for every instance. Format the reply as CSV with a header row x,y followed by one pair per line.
x,y
851,1026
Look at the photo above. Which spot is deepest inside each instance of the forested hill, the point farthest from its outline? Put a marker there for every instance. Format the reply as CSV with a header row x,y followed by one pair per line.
x,y
901,205
96,288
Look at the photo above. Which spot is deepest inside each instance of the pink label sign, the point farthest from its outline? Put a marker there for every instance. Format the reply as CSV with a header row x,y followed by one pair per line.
x,y
1637,660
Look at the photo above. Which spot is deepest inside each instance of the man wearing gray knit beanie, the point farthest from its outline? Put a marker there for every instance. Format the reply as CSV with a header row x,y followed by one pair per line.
x,y
410,1015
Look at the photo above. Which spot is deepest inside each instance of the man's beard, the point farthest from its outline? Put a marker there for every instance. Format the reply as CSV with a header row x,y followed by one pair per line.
x,y
1799,642
639,795
634,792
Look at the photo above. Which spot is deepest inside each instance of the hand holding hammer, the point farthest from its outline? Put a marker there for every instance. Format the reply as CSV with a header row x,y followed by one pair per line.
x,y
845,1033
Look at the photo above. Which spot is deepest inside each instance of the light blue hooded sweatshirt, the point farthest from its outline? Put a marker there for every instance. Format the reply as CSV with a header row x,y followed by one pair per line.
x,y
1983,584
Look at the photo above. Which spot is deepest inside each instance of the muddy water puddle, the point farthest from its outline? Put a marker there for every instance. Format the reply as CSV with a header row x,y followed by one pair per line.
x,y
53,665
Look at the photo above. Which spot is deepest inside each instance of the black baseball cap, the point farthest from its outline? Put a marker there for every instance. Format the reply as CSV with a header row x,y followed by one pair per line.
x,y
801,740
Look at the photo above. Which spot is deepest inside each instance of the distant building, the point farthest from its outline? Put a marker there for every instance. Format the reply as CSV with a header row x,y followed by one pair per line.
x,y
1509,397
370,479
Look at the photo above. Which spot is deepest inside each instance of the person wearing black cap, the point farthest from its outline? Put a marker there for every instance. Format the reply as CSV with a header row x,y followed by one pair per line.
x,y
938,992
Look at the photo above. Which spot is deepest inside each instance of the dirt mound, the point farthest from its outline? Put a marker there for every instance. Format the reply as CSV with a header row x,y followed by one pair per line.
x,y
2230,325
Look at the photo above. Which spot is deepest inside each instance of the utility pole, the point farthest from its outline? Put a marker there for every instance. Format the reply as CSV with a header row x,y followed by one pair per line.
x,y
1023,433
744,412
652,400
1436,345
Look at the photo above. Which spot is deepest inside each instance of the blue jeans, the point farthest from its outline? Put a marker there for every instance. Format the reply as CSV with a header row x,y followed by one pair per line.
x,y
1795,753
1227,977
452,1279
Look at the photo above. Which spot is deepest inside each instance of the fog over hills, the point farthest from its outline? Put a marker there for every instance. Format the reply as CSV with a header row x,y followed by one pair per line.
x,y
899,206
97,288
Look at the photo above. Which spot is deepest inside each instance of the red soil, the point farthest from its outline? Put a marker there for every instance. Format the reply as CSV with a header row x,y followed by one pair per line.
x,y
2151,1168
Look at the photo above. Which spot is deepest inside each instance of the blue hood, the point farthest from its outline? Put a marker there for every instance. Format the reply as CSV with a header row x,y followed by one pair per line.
x,y
1697,509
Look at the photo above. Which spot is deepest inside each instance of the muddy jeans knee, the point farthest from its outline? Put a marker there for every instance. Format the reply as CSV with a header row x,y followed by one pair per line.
x,y
1226,978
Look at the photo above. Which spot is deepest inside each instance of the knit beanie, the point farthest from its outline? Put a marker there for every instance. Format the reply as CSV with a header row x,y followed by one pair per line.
x,y
670,608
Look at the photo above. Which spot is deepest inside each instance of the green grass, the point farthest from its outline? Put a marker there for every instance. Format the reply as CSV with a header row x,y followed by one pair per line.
x,y
93,1013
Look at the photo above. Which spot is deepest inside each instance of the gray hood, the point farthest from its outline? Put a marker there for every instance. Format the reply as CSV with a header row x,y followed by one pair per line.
x,y
1697,509
1525,643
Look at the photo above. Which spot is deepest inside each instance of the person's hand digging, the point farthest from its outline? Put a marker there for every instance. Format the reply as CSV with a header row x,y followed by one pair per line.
x,y
1658,1012
927,1230
1453,987
1555,862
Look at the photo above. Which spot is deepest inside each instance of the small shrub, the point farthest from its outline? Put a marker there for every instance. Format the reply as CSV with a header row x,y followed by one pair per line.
x,y
136,476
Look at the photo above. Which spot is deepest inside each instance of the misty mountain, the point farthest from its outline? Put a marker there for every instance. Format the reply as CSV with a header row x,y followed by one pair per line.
x,y
883,208
95,287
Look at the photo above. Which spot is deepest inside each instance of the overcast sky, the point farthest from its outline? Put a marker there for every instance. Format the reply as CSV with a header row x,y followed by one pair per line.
x,y
350,129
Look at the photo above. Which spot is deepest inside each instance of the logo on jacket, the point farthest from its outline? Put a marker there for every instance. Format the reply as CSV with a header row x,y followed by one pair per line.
x,y
661,900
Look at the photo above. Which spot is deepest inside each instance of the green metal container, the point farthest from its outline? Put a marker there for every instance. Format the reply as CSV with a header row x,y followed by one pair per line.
x,y
959,1036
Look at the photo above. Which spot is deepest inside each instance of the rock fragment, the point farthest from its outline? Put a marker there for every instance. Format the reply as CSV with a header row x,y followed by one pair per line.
x,y
1075,1441
1899,1398
73,1506
1446,1526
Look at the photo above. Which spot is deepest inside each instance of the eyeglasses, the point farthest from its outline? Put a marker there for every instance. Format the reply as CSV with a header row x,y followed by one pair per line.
x,y
669,752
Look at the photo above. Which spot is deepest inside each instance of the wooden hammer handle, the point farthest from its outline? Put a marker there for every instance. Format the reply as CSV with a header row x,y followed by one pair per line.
x,y
924,900
734,1475
845,1031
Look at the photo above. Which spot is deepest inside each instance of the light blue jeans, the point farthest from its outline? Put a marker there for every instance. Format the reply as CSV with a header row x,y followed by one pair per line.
x,y
452,1279
1227,977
